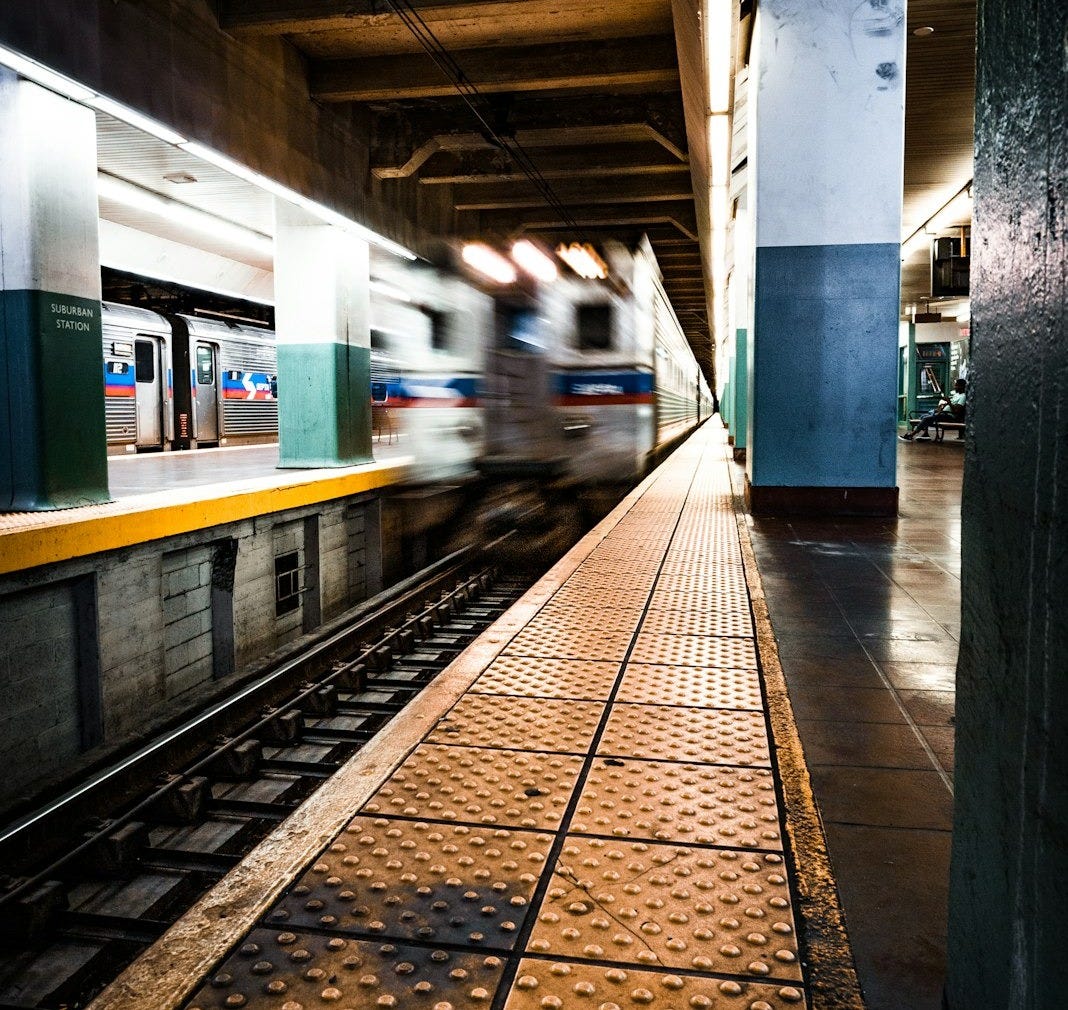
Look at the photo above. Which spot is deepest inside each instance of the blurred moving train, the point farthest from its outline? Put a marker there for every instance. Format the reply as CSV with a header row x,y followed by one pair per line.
x,y
570,382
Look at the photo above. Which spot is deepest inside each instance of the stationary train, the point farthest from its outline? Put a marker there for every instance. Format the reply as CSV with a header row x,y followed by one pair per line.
x,y
574,382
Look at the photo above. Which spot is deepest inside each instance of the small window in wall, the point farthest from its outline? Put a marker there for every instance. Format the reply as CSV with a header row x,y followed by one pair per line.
x,y
205,366
595,327
145,361
439,330
286,583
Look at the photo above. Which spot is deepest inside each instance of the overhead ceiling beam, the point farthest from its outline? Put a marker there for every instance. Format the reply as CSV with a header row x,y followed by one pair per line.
x,y
288,17
648,61
635,189
679,215
467,167
559,136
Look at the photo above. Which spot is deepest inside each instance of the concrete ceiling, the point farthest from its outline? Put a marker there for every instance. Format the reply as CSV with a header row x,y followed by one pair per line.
x,y
589,92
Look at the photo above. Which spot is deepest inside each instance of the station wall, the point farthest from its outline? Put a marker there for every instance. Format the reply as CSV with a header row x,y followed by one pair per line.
x,y
101,650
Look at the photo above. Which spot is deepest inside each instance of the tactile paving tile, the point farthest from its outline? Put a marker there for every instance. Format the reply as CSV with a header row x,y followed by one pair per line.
x,y
695,650
416,880
633,902
672,802
704,735
290,971
693,686
547,678
699,622
571,643
577,596
558,618
673,599
560,985
506,787
542,724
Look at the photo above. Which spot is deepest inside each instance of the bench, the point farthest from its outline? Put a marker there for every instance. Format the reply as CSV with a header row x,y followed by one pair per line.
x,y
941,427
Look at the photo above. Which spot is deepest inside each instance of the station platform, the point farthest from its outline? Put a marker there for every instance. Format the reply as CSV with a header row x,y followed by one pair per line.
x,y
602,802
159,495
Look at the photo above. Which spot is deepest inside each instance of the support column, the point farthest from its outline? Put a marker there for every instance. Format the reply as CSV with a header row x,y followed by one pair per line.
x,y
322,316
826,147
1009,868
53,448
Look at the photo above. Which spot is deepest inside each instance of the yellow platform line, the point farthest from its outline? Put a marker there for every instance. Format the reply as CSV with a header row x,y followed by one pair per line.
x,y
28,540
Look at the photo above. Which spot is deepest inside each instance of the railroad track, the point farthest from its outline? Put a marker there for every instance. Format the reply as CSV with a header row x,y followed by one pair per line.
x,y
147,837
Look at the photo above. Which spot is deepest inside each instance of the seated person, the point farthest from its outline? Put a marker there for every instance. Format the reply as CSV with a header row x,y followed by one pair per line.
x,y
947,410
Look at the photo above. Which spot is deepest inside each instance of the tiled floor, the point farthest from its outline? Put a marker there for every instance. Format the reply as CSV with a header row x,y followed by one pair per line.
x,y
866,614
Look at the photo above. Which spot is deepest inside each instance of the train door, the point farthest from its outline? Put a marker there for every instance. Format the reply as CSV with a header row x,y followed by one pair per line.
x,y
149,391
206,363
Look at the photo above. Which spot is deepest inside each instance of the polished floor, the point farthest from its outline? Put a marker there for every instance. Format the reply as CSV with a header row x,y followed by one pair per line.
x,y
866,614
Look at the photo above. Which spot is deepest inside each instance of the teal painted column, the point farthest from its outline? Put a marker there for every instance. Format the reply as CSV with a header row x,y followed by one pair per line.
x,y
740,384
322,317
825,148
53,447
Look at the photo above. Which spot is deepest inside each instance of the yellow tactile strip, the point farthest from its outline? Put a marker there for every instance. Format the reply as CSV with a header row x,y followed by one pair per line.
x,y
686,734
598,811
543,724
668,801
547,678
697,687
646,904
418,880
695,650
288,970
560,985
481,786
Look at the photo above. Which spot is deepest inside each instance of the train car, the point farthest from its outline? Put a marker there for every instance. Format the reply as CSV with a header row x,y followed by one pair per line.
x,y
586,380
138,379
226,390
427,332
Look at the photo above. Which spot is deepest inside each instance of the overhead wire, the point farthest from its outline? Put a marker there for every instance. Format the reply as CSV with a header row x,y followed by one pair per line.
x,y
478,105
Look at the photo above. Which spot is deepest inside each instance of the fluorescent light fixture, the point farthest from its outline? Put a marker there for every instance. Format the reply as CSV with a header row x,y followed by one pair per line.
x,y
40,74
718,54
324,214
483,259
129,195
583,259
534,261
387,290
136,119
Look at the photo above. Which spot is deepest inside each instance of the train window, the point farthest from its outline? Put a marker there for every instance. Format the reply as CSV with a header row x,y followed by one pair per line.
x,y
439,330
595,327
286,583
205,365
379,392
145,361
378,340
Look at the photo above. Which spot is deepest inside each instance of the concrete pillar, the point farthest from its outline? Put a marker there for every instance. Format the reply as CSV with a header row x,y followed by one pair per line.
x,y
53,448
825,151
322,316
1009,872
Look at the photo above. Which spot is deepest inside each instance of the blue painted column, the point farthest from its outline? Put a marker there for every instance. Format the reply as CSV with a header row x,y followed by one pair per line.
x,y
322,316
825,151
53,449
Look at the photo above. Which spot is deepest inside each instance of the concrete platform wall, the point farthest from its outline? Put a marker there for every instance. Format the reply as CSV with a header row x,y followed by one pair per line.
x,y
100,650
